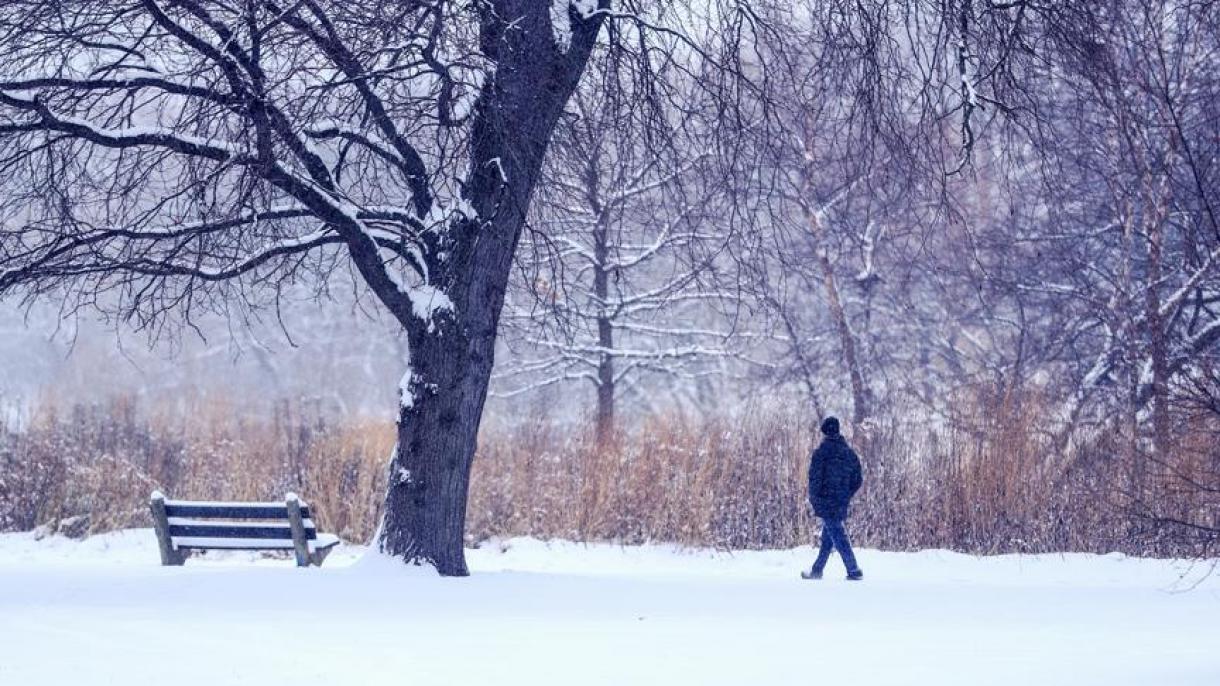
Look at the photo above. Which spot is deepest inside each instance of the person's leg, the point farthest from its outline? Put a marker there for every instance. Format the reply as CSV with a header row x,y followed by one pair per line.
x,y
824,551
842,543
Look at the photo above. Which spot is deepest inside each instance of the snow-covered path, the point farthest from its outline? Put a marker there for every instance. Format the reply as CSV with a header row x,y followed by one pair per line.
x,y
104,612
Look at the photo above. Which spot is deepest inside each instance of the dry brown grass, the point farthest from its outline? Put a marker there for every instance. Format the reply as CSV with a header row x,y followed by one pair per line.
x,y
988,482
723,484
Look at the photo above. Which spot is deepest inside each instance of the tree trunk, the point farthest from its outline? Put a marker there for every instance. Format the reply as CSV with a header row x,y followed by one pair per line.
x,y
605,383
605,338
425,514
847,339
452,351
1156,211
441,410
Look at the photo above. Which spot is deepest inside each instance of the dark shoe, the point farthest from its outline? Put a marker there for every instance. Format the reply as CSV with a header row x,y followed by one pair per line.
x,y
855,576
812,575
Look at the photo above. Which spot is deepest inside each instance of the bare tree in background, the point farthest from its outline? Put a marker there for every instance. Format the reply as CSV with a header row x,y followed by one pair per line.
x,y
620,279
1089,271
841,161
1149,109
1102,235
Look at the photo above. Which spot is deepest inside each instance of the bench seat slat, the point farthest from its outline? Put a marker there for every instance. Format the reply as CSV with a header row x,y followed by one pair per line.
x,y
222,531
183,508
204,543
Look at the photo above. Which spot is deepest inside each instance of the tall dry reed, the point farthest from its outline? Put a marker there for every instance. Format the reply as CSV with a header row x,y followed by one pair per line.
x,y
988,480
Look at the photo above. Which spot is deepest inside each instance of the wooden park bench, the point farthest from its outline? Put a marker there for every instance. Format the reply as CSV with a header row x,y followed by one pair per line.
x,y
185,525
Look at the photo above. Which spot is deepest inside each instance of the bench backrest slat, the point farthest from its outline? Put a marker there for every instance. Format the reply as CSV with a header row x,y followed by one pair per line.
x,y
185,521
230,510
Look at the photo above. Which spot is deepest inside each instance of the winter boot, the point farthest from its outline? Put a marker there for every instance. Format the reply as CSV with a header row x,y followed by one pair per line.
x,y
812,575
855,576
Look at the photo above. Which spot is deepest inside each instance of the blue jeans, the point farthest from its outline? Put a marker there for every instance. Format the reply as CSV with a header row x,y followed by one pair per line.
x,y
834,537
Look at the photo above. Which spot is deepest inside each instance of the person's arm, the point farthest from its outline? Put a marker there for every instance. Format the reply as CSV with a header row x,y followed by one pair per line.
x,y
817,474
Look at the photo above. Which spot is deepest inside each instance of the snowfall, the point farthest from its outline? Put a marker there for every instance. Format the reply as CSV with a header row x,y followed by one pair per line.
x,y
103,611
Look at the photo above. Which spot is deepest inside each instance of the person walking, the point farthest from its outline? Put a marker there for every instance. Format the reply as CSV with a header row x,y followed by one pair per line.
x,y
834,477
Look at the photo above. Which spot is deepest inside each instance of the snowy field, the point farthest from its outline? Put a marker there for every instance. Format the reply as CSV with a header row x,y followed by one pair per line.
x,y
103,611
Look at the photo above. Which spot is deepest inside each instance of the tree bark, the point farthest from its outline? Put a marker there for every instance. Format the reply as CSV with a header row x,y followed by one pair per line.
x,y
605,338
425,513
452,352
847,339
1156,211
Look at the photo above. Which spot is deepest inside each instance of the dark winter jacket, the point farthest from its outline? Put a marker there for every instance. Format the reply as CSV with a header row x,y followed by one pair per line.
x,y
834,477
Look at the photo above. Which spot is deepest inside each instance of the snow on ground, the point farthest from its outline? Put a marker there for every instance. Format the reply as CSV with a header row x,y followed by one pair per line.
x,y
103,611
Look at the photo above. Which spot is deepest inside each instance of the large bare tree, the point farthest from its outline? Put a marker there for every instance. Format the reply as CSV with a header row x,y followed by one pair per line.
x,y
168,156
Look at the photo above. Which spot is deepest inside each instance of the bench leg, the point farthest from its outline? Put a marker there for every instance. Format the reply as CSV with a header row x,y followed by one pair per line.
x,y
299,543
318,556
169,556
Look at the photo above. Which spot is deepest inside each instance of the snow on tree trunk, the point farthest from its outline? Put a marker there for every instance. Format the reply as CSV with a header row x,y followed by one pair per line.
x,y
425,511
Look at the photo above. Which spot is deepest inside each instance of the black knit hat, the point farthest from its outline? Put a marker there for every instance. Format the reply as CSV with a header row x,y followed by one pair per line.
x,y
830,426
